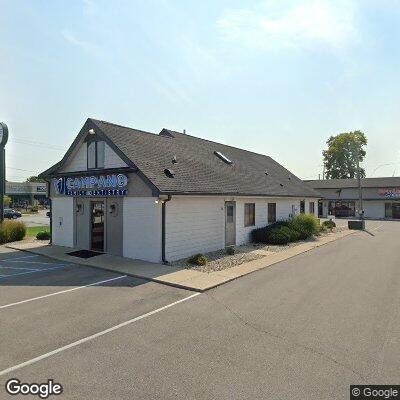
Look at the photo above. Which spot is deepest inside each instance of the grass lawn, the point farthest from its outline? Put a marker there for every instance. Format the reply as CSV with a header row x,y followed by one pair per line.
x,y
33,230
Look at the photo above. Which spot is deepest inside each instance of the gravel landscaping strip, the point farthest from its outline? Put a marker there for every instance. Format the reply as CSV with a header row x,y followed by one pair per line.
x,y
220,260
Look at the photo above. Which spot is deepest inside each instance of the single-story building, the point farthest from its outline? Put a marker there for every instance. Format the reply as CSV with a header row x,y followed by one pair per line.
x,y
26,193
381,197
162,197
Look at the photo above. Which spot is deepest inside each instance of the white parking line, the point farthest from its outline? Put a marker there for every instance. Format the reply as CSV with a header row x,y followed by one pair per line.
x,y
62,291
36,271
28,262
19,258
29,269
91,337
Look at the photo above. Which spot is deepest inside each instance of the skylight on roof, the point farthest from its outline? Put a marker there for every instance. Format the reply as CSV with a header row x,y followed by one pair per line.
x,y
222,157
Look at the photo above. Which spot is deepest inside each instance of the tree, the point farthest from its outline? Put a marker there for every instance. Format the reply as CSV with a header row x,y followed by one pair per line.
x,y
34,179
6,201
340,159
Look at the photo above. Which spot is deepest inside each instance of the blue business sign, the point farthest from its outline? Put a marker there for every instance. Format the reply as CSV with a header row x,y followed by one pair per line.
x,y
102,185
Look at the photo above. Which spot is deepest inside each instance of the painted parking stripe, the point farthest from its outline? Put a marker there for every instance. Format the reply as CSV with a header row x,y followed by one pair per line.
x,y
91,337
28,262
19,258
29,269
62,291
36,271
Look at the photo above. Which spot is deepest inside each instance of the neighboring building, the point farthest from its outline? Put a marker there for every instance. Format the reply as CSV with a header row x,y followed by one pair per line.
x,y
167,196
26,193
381,197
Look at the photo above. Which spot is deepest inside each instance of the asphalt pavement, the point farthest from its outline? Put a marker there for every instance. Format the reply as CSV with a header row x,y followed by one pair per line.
x,y
305,328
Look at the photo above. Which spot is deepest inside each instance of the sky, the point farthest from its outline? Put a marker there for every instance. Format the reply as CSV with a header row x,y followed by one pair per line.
x,y
276,77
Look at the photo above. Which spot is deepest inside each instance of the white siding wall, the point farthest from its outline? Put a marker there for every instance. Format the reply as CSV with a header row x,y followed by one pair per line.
x,y
63,221
194,225
142,229
111,159
243,232
78,162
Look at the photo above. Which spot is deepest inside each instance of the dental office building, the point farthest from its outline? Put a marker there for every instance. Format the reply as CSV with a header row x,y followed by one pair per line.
x,y
381,197
162,197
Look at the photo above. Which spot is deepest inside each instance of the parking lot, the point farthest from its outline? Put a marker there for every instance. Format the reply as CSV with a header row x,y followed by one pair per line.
x,y
305,328
46,305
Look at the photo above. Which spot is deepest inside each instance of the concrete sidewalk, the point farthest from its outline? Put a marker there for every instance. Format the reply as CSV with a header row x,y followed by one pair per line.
x,y
178,277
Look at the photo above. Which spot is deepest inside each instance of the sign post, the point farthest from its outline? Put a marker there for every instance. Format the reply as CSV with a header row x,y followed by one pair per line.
x,y
3,141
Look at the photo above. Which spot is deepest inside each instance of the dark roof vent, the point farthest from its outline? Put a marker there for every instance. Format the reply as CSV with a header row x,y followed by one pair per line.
x,y
281,184
289,177
222,157
266,172
174,160
169,172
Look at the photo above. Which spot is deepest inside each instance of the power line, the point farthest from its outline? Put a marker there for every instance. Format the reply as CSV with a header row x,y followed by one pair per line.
x,y
34,143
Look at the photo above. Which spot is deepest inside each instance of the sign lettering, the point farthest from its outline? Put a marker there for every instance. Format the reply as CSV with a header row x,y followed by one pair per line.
x,y
102,185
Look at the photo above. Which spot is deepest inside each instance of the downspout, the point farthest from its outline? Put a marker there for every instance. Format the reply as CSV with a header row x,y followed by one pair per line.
x,y
163,215
51,210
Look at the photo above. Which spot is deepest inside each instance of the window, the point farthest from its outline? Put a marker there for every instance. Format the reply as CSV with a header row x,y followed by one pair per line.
x,y
302,206
249,214
229,213
271,213
312,207
95,154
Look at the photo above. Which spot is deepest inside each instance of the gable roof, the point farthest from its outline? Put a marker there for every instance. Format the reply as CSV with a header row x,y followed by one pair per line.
x,y
198,170
384,182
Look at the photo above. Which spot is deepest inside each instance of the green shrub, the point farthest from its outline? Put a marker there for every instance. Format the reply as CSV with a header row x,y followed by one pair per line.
x,y
280,235
12,231
43,235
34,209
230,251
198,259
260,235
329,224
305,224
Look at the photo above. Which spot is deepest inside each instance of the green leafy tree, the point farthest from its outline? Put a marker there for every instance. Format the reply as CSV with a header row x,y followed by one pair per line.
x,y
340,159
6,201
34,179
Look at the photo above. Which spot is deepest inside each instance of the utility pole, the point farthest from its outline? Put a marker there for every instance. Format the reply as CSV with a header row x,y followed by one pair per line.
x,y
360,198
3,141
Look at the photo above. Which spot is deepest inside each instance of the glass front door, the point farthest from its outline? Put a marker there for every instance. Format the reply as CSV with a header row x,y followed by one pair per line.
x,y
97,226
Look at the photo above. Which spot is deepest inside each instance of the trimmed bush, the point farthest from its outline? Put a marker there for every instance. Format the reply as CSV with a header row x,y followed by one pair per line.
x,y
12,231
198,259
329,224
260,235
305,224
43,235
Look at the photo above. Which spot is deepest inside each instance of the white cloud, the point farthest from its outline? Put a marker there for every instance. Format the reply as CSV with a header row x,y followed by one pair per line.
x,y
83,44
303,24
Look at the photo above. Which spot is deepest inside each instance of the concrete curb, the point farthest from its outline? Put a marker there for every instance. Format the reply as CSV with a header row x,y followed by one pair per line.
x,y
184,279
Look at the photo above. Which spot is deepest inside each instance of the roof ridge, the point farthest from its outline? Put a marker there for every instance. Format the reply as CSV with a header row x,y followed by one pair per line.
x,y
123,126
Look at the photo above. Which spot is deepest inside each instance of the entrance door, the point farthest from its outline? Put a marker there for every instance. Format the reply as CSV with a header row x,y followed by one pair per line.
x,y
97,225
230,224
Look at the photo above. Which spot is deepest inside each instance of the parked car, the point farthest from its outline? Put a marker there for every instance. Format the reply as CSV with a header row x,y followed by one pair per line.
x,y
10,213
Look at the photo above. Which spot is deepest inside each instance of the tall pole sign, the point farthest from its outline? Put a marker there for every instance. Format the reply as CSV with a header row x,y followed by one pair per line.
x,y
3,141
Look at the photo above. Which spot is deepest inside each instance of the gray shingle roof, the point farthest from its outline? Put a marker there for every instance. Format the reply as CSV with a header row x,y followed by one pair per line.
x,y
384,182
198,170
